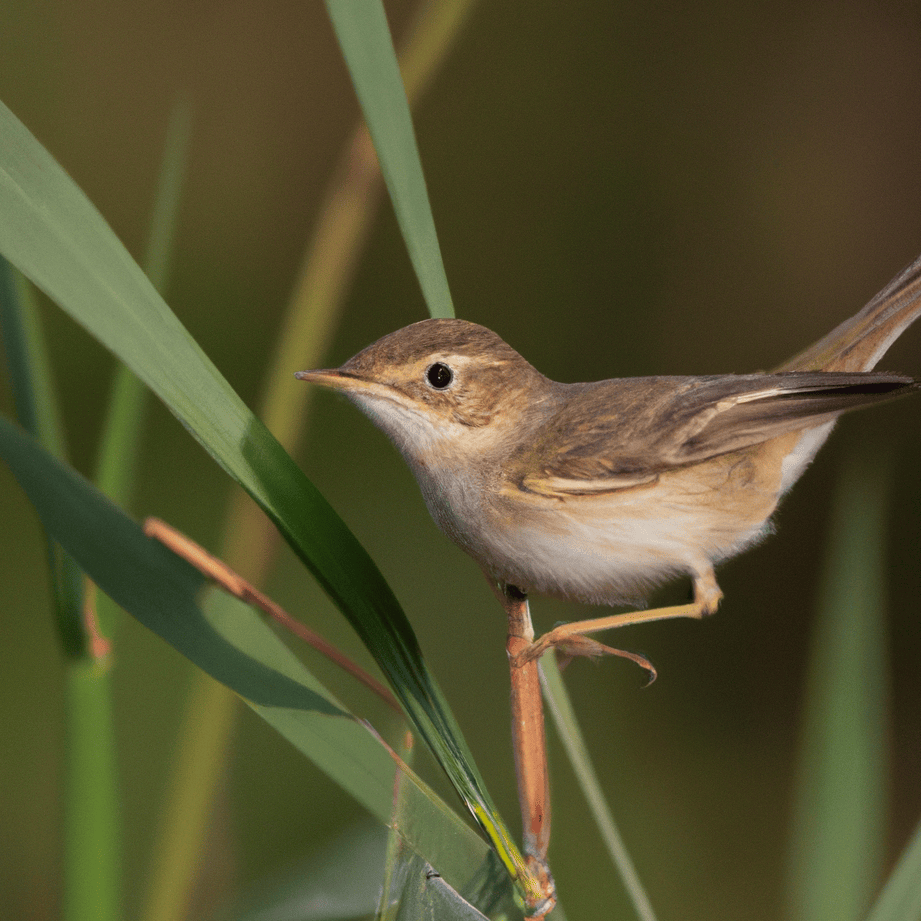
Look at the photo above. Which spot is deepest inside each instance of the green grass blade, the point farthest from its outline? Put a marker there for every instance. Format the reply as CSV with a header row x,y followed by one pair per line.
x,y
117,456
92,832
424,895
55,236
344,219
27,360
567,727
59,240
393,851
94,838
115,468
364,38
230,641
158,257
839,819
900,899
92,807
36,408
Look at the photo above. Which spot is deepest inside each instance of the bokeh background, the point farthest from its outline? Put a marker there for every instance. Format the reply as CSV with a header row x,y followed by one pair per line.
x,y
620,189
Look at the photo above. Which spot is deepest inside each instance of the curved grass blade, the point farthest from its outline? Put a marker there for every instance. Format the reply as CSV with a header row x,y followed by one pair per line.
x,y
344,220
36,408
27,361
92,852
53,234
367,47
229,641
839,819
424,895
115,468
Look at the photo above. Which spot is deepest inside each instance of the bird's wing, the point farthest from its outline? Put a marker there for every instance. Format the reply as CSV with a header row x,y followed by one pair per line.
x,y
619,434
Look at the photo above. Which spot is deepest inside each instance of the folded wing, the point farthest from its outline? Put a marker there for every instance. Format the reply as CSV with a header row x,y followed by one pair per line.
x,y
622,433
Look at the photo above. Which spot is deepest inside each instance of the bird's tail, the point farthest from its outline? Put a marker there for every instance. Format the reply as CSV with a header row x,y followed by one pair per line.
x,y
858,344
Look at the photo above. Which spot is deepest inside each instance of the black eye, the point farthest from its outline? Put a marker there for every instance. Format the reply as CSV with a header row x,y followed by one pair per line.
x,y
439,375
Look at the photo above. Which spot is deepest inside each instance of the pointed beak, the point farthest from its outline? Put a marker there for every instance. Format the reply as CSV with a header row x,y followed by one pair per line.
x,y
328,377
337,379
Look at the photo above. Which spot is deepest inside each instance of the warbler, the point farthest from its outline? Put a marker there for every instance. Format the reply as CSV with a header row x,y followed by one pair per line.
x,y
598,492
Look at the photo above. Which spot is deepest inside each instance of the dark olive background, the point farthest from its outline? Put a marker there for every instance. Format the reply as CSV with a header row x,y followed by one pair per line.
x,y
619,189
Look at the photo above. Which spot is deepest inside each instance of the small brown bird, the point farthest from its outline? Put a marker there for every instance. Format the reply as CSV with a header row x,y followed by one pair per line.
x,y
597,492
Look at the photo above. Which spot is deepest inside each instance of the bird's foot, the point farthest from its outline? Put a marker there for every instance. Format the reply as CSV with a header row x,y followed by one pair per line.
x,y
571,645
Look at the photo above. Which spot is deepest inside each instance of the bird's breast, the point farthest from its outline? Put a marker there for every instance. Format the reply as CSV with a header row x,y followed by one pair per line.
x,y
611,547
455,495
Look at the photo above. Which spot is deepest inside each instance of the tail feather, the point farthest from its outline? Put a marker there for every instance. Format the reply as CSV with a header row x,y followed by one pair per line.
x,y
858,344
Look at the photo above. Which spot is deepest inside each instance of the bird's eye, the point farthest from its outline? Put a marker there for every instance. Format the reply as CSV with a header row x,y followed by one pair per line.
x,y
439,375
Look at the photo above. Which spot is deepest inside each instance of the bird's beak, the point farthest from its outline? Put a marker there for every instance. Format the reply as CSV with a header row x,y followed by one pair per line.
x,y
328,377
337,379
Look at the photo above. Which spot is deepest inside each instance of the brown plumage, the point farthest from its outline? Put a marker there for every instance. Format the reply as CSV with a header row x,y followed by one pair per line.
x,y
599,491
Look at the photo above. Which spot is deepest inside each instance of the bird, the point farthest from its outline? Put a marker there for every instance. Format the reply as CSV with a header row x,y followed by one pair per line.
x,y
599,492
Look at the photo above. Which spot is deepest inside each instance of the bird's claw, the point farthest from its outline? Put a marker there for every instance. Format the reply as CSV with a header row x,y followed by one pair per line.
x,y
572,645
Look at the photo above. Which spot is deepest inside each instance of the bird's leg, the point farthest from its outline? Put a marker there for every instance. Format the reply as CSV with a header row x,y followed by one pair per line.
x,y
530,748
571,638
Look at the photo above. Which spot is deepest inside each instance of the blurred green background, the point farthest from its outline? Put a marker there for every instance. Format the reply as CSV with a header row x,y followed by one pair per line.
x,y
619,190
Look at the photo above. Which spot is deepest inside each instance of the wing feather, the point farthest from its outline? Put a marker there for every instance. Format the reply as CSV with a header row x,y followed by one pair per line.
x,y
619,434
